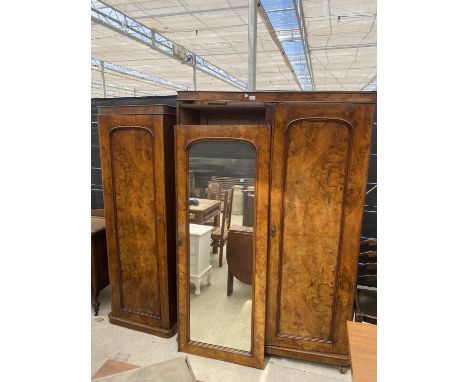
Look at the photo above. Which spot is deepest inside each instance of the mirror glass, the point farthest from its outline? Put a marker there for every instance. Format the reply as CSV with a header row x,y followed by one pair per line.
x,y
221,179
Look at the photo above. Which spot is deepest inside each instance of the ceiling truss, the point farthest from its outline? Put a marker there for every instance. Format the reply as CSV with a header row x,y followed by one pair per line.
x,y
287,26
112,18
99,64
274,37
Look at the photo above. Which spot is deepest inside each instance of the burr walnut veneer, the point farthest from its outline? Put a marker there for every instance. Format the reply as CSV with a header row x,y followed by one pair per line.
x,y
137,155
315,147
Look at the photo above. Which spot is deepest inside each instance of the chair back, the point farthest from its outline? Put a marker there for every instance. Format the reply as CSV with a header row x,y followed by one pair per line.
x,y
226,221
214,191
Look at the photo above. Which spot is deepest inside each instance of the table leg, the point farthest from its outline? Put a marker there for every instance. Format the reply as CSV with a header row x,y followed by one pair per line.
x,y
96,305
197,287
230,282
94,287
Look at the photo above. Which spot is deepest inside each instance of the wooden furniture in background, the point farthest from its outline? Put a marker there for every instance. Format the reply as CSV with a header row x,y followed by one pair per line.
x,y
319,161
239,251
200,245
249,200
366,291
99,265
192,184
214,191
363,351
137,158
97,212
219,236
227,183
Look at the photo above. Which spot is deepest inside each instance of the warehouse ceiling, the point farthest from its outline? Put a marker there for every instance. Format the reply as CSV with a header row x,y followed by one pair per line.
x,y
151,47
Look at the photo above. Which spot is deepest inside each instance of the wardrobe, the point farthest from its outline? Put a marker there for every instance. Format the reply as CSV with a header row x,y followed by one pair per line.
x,y
310,155
137,160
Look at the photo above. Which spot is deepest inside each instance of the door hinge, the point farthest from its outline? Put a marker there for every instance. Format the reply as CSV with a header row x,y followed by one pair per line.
x,y
179,241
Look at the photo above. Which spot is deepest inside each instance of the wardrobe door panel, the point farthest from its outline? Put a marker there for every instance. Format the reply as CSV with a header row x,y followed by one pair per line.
x,y
137,167
235,328
320,154
132,163
315,168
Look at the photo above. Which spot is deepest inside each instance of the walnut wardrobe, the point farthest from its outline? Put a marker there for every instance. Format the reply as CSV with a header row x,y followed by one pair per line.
x,y
137,160
307,155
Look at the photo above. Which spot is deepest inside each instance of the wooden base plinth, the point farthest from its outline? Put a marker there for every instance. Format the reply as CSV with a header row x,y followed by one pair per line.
x,y
329,358
154,330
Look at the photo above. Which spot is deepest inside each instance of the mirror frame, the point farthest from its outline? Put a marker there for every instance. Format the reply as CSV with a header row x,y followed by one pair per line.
x,y
259,137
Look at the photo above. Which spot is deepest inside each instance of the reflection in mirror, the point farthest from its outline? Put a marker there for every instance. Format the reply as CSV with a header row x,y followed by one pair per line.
x,y
221,178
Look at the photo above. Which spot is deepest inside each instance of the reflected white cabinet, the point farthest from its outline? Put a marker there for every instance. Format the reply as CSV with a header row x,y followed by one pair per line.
x,y
200,247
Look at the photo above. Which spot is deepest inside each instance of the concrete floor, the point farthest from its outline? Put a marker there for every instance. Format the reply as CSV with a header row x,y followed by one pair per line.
x,y
216,318
114,342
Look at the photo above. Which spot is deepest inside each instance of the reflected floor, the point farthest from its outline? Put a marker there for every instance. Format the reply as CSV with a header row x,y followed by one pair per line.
x,y
216,318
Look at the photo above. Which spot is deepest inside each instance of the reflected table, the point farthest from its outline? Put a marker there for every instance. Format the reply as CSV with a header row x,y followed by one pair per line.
x,y
205,211
200,245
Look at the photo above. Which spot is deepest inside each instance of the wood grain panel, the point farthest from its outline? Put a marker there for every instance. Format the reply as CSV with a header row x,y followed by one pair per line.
x,y
319,333
316,164
132,160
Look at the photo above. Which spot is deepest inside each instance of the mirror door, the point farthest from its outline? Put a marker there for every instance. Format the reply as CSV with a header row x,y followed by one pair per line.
x,y
222,228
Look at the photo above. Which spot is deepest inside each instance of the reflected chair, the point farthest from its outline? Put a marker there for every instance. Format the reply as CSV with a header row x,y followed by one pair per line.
x,y
219,235
213,193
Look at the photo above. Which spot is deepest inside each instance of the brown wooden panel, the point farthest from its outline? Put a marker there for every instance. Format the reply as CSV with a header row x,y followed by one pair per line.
x,y
132,161
316,163
312,279
137,159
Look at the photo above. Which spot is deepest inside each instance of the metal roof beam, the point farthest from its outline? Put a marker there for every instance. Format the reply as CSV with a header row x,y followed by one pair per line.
x,y
274,37
133,90
305,42
285,35
112,18
350,46
136,74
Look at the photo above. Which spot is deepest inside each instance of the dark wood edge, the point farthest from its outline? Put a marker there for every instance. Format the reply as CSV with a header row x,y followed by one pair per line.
x,y
278,96
307,355
160,332
222,354
137,109
98,232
